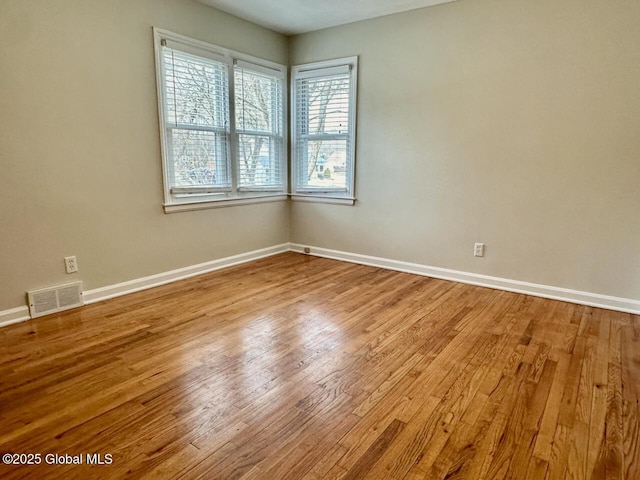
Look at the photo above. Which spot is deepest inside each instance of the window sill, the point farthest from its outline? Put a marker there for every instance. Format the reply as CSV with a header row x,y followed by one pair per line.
x,y
331,199
191,205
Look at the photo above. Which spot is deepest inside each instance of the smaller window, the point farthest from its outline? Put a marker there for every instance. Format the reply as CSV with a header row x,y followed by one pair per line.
x,y
324,119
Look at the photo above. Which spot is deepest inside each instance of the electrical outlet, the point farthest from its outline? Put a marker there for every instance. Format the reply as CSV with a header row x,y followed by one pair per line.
x,y
70,264
478,250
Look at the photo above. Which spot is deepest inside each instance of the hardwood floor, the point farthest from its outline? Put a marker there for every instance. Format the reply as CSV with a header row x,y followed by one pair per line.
x,y
296,367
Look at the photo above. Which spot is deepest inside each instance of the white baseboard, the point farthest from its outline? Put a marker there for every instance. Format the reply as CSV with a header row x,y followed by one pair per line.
x,y
20,314
556,293
124,288
14,315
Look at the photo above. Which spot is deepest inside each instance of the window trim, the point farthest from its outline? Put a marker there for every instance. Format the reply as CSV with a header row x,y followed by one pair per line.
x,y
174,202
317,69
193,204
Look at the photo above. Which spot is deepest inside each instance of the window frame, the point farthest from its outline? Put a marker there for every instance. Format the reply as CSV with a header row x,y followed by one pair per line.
x,y
235,195
329,195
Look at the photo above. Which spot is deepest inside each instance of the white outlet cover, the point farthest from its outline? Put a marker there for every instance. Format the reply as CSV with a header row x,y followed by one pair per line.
x,y
70,264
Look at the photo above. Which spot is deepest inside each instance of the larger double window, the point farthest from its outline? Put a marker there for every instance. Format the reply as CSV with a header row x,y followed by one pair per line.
x,y
223,135
224,128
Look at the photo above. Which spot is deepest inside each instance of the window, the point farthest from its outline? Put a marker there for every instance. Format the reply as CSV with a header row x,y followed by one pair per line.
x,y
323,117
259,123
223,125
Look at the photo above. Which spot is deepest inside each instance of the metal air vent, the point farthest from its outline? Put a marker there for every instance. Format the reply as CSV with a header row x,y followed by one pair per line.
x,y
54,299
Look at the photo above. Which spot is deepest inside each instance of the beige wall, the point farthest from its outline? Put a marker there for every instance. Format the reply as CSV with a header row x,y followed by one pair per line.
x,y
510,122
80,149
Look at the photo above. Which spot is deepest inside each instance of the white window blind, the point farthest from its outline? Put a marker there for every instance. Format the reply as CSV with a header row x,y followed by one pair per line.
x,y
259,128
324,114
196,92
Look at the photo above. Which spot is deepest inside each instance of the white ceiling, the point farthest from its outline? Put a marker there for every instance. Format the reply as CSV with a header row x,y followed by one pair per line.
x,y
299,16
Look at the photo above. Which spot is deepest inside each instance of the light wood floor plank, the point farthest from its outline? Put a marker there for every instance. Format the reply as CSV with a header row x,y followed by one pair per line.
x,y
298,367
